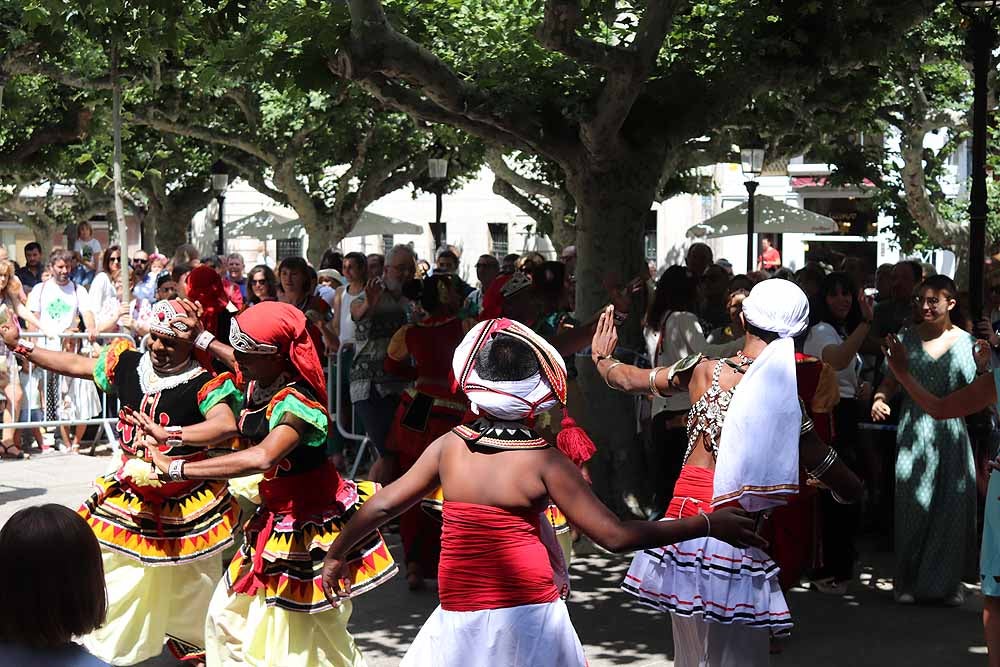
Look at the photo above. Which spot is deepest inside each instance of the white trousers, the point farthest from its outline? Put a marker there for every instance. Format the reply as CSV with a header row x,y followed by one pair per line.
x,y
699,643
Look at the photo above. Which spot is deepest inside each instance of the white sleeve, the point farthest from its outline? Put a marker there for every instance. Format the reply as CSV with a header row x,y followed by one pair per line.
x,y
35,298
820,336
83,300
689,330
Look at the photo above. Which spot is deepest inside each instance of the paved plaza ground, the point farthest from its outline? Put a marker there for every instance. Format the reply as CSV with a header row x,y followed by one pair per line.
x,y
862,629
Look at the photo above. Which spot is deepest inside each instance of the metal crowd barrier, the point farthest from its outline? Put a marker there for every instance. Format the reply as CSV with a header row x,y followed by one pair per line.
x,y
33,391
333,407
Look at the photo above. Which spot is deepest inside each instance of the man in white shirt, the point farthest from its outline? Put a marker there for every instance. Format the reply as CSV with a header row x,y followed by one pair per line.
x,y
58,303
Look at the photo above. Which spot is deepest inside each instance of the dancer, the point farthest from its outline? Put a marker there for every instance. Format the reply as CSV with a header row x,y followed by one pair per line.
x,y
744,446
428,410
161,542
500,599
935,510
270,608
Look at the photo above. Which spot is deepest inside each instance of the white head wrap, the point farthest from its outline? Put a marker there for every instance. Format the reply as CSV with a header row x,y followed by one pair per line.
x,y
510,401
759,450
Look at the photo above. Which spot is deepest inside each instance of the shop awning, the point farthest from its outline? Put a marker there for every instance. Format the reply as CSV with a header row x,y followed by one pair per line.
x,y
820,182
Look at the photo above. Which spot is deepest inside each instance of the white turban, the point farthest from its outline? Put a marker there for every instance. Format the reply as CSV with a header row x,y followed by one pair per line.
x,y
517,400
759,450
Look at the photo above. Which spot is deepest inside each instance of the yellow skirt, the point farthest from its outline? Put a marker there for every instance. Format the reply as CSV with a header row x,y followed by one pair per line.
x,y
246,630
149,605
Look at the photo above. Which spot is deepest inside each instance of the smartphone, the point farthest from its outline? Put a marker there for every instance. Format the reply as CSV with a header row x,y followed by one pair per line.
x,y
871,292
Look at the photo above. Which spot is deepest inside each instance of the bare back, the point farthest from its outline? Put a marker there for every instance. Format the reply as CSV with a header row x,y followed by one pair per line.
x,y
701,382
509,479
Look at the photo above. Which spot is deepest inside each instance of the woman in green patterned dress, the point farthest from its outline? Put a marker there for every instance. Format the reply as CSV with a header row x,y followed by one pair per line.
x,y
935,518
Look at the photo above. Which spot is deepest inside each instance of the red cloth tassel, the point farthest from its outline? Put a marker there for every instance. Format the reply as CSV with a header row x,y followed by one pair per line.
x,y
574,442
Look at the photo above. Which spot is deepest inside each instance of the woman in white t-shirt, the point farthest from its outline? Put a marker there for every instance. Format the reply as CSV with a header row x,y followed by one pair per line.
x,y
88,247
843,321
106,294
673,332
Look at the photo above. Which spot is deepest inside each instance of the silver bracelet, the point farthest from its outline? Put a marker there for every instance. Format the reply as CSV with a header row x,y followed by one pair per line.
x,y
708,521
204,339
176,470
824,465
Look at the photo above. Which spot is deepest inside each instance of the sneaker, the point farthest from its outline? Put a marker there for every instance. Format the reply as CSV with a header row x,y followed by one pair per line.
x,y
830,586
905,598
956,599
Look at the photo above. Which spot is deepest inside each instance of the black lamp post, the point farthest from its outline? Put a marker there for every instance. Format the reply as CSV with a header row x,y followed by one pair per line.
x,y
980,37
437,171
752,163
220,181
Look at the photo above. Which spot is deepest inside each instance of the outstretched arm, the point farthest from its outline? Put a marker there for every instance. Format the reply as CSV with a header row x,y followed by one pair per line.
x,y
980,394
384,506
577,501
219,426
625,377
260,458
63,363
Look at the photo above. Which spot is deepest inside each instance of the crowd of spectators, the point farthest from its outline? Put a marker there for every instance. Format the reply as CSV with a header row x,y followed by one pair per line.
x,y
356,304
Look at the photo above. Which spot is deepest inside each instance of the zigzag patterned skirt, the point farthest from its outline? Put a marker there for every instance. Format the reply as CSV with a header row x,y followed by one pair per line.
x,y
283,553
177,522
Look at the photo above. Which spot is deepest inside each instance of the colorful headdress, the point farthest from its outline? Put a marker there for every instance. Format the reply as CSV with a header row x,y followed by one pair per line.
x,y
166,319
272,327
513,400
519,400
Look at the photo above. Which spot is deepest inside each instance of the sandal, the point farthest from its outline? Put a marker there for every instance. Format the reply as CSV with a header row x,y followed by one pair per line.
x,y
6,453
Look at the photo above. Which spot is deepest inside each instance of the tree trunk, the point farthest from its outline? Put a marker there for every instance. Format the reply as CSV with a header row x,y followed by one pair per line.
x,y
611,210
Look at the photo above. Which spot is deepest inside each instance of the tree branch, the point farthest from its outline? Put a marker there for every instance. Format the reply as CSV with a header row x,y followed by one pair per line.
x,y
205,134
622,88
525,204
557,32
27,61
375,48
500,168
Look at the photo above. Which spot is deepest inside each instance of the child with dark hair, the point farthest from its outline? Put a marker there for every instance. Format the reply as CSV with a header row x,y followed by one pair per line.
x,y
53,582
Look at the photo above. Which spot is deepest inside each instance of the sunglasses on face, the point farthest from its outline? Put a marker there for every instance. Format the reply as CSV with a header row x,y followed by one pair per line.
x,y
259,281
112,260
138,261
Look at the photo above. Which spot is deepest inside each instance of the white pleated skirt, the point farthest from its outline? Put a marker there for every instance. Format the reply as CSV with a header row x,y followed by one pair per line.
x,y
525,636
710,578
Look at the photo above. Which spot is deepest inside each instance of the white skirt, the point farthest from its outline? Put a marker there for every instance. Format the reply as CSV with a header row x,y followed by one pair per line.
x,y
525,636
710,578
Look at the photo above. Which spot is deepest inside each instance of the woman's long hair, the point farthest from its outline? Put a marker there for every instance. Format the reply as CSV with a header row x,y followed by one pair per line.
x,y
272,283
675,291
830,284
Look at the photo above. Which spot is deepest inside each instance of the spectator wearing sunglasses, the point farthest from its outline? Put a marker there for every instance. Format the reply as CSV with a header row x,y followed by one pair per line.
x,y
144,279
262,285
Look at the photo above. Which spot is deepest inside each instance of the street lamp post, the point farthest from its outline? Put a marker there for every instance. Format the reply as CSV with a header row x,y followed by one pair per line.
x,y
220,181
980,41
752,163
437,171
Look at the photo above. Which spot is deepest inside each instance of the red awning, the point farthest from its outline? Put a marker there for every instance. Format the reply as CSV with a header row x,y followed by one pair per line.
x,y
819,182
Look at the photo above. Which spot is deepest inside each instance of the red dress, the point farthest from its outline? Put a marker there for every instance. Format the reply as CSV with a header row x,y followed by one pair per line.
x,y
425,413
792,530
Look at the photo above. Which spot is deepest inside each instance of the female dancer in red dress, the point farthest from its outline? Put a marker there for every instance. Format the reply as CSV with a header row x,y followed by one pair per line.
x,y
428,410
